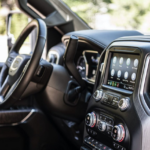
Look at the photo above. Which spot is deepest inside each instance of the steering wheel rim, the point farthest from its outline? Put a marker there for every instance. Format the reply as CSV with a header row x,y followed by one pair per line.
x,y
27,67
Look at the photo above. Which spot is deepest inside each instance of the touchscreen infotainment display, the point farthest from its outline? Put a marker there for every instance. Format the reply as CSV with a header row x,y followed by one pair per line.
x,y
123,71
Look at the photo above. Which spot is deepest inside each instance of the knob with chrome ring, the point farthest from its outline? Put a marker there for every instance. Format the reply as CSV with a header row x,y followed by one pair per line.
x,y
118,133
124,104
90,119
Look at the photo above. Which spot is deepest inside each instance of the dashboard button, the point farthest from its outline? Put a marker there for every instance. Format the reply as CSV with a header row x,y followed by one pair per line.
x,y
100,117
121,61
107,99
119,73
104,147
133,76
104,118
115,99
94,133
112,72
102,126
109,133
109,121
100,145
115,104
88,130
96,143
109,128
126,74
128,61
91,131
136,62
110,98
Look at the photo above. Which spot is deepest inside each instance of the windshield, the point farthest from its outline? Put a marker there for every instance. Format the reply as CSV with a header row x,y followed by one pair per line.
x,y
113,14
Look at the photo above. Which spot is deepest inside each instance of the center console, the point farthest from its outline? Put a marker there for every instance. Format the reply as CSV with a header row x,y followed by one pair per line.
x,y
112,121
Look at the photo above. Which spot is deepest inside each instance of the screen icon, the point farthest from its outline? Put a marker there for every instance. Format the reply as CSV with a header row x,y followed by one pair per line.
x,y
133,76
117,84
110,83
121,61
114,59
126,74
128,61
136,62
112,72
119,73
113,83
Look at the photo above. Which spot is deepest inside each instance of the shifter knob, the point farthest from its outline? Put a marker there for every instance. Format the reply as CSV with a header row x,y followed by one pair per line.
x,y
90,119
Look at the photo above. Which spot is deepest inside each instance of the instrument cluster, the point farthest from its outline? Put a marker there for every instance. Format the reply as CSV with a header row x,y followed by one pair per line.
x,y
87,65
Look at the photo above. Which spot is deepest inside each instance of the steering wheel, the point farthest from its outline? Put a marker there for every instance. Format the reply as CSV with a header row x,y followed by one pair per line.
x,y
18,69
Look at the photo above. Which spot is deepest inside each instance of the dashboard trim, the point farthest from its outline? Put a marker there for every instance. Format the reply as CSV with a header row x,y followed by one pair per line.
x,y
117,89
143,101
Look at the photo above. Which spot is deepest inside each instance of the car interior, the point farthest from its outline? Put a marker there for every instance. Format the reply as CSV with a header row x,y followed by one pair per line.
x,y
91,92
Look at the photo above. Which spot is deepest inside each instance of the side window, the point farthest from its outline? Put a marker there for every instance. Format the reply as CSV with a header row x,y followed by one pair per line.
x,y
17,24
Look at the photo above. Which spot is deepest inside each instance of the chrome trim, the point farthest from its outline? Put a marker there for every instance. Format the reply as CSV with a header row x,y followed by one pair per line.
x,y
25,119
28,116
143,84
117,89
87,66
36,11
125,105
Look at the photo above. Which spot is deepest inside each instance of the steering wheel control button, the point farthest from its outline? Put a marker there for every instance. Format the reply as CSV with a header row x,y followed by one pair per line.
x,y
118,133
102,126
98,95
90,119
124,104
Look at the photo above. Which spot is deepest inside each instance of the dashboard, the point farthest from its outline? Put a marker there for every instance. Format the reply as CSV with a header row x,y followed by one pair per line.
x,y
119,105
87,65
114,94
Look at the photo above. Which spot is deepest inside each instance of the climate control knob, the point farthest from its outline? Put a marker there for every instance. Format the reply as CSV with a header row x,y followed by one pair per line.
x,y
124,104
90,119
98,95
118,133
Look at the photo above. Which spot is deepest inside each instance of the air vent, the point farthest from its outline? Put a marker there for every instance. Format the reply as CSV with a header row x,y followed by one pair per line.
x,y
53,57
